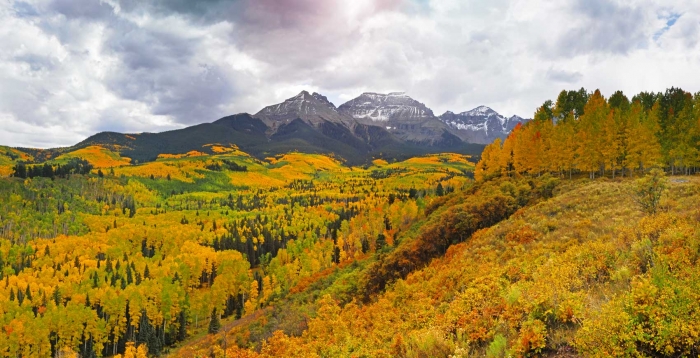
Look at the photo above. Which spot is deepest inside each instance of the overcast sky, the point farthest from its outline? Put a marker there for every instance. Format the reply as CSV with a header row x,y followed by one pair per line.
x,y
70,68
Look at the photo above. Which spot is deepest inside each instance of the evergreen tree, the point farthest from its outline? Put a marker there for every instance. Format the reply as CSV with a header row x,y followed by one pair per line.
x,y
20,171
146,272
214,323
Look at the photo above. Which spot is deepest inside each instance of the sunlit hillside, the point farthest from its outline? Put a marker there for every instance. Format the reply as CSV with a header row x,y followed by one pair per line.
x,y
584,271
98,156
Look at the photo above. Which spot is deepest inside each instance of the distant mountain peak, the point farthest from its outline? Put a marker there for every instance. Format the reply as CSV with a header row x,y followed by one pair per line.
x,y
322,98
481,124
402,115
384,107
311,108
481,111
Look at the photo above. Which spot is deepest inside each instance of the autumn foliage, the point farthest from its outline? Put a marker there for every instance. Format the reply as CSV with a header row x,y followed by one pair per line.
x,y
599,136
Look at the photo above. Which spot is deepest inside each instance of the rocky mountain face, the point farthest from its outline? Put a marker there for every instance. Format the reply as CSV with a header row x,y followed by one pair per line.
x,y
313,109
481,125
384,108
401,115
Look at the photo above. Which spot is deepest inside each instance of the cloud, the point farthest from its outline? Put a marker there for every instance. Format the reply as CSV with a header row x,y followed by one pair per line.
x,y
70,68
604,26
81,9
569,77
23,9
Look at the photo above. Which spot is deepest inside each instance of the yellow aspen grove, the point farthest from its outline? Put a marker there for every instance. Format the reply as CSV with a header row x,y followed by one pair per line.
x,y
618,137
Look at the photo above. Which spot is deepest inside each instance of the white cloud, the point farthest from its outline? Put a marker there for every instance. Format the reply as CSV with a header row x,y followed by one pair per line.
x,y
71,68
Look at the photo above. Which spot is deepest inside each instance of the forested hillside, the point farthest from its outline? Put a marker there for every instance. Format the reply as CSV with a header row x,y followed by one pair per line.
x,y
101,258
571,268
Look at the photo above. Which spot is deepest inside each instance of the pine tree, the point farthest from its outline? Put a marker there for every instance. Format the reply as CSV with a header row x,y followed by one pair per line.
x,y
146,272
214,323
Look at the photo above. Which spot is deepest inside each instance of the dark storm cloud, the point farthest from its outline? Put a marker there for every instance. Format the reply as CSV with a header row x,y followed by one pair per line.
x,y
88,9
150,49
164,71
604,27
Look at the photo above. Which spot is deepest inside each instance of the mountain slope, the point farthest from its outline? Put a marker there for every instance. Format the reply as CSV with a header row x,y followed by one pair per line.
x,y
242,130
583,273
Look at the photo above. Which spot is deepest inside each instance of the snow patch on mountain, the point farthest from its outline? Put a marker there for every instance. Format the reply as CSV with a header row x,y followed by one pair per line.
x,y
380,107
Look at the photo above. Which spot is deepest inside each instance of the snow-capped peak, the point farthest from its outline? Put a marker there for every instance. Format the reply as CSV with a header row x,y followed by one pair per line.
x,y
385,107
480,111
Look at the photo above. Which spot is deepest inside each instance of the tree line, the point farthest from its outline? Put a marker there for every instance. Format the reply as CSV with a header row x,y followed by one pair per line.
x,y
74,166
584,132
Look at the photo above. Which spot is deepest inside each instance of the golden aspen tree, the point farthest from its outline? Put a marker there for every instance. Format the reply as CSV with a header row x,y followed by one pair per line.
x,y
267,289
489,163
589,134
530,148
516,149
252,303
548,146
609,146
506,158
564,144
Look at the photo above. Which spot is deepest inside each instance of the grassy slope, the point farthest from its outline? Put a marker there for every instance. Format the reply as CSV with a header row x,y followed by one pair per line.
x,y
98,156
561,277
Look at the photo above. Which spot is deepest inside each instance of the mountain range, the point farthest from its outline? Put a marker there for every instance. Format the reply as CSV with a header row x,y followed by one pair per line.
x,y
373,125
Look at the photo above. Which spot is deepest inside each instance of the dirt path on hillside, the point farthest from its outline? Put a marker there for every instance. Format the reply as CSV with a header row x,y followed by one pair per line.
x,y
191,346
